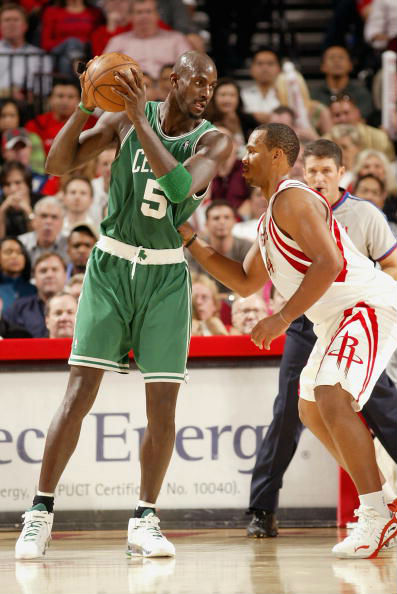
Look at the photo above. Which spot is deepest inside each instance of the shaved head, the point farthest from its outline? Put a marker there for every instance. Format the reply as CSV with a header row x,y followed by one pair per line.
x,y
191,62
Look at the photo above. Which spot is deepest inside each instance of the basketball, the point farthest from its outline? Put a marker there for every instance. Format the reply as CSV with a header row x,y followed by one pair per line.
x,y
99,80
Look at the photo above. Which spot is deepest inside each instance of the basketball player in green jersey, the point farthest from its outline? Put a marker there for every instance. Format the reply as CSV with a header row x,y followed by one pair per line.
x,y
136,290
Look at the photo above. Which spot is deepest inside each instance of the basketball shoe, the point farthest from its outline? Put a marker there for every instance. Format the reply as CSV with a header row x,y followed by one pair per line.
x,y
370,534
36,533
145,538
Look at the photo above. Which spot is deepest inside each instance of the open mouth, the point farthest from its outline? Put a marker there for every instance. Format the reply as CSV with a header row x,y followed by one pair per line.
x,y
199,105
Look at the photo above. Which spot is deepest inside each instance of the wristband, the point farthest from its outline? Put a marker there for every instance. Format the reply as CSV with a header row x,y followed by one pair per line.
x,y
193,238
176,183
283,318
81,106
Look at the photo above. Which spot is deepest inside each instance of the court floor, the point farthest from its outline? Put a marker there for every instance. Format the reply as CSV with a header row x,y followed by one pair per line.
x,y
299,561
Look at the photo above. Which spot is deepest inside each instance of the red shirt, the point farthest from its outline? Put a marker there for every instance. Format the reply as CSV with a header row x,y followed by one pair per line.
x,y
101,36
47,127
58,24
30,5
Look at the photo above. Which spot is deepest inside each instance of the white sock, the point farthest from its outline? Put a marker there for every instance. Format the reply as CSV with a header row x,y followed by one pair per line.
x,y
377,501
142,503
388,492
42,494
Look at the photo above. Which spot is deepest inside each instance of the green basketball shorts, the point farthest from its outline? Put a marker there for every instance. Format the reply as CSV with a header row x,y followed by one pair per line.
x,y
134,298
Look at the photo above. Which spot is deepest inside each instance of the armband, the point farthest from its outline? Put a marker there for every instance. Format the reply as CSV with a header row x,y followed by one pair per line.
x,y
87,111
176,183
189,243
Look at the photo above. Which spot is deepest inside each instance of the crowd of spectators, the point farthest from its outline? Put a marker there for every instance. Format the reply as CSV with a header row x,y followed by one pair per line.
x,y
49,225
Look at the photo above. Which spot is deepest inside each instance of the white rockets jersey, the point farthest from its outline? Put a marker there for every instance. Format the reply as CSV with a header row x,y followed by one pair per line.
x,y
287,265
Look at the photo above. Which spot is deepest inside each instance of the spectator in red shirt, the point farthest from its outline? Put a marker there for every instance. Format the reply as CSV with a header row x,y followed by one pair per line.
x,y
118,16
64,99
66,31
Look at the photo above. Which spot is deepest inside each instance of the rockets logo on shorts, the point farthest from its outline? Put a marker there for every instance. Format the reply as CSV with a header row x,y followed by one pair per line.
x,y
346,351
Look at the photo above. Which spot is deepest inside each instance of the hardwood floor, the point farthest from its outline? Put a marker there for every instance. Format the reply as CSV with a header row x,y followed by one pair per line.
x,y
299,561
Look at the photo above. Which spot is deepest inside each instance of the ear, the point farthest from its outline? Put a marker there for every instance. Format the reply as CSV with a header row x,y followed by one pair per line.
x,y
341,171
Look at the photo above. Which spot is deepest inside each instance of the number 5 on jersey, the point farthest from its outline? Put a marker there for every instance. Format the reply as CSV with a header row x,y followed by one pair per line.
x,y
154,202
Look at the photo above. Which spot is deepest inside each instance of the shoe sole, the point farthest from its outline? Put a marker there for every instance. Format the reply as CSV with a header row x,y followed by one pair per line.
x,y
384,545
137,551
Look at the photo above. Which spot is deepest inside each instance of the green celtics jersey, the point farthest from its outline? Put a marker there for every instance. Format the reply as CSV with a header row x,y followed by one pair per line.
x,y
139,213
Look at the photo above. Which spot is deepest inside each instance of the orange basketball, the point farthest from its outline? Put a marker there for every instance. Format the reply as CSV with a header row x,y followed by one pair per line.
x,y
99,80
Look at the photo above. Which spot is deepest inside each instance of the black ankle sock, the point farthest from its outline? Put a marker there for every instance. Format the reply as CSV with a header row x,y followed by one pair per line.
x,y
139,511
47,501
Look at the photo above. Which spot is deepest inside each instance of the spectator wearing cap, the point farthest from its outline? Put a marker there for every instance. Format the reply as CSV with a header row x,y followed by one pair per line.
x,y
20,63
77,201
64,99
151,46
337,66
17,200
47,234
81,240
60,315
345,111
17,146
11,117
28,312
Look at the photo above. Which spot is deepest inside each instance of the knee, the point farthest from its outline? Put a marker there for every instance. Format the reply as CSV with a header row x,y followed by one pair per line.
x,y
75,406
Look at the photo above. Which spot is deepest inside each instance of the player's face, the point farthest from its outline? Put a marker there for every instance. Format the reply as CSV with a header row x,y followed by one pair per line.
x,y
257,160
195,90
323,175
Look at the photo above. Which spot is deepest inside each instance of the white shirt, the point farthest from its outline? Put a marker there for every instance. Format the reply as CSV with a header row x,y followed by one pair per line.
x,y
21,72
256,102
381,19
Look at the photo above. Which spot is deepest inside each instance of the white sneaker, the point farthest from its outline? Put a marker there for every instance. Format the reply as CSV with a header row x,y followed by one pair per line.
x,y
370,534
36,533
145,538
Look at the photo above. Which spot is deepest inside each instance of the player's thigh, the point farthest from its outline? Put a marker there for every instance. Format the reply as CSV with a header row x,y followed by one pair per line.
x,y
102,336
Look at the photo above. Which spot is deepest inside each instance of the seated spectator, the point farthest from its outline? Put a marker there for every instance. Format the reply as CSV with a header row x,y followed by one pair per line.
x,y
47,235
225,109
372,188
176,15
150,46
260,98
205,307
100,184
254,207
348,138
164,82
19,74
64,99
246,313
66,32
220,220
74,285
9,331
118,17
14,272
381,25
81,240
28,312
77,201
17,200
337,66
229,184
17,146
375,162
344,111
10,119
285,115
60,315
296,171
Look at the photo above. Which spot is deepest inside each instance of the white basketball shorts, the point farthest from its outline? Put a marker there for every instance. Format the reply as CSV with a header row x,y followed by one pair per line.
x,y
352,350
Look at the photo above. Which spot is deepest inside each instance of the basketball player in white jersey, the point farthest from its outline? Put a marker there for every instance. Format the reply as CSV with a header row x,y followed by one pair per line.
x,y
317,269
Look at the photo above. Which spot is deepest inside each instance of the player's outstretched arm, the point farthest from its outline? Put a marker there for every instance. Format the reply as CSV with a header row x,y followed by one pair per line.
x,y
245,279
